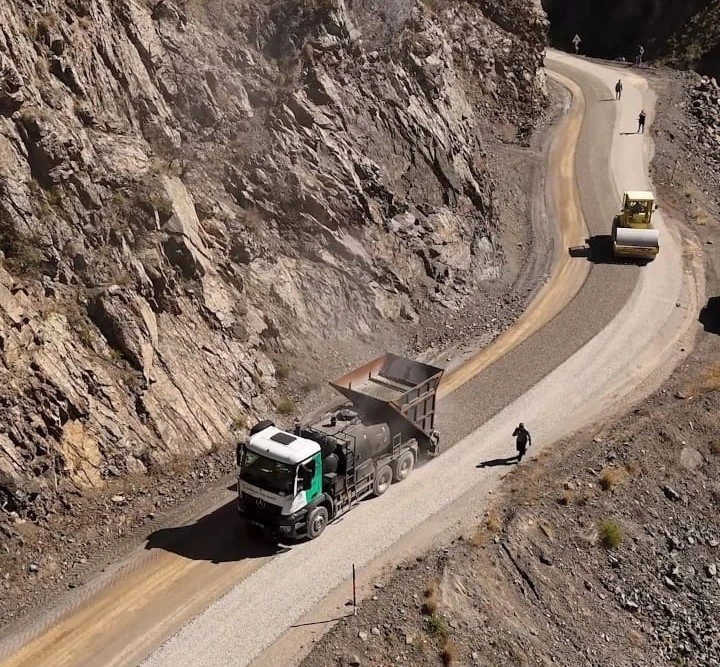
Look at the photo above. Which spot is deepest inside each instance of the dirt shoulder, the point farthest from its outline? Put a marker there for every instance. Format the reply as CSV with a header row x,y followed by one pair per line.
x,y
606,548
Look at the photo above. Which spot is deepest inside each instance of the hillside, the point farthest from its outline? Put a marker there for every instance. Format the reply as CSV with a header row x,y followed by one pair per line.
x,y
196,198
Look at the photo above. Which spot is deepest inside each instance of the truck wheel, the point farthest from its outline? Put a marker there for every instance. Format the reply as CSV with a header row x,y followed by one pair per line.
x,y
383,480
403,466
316,522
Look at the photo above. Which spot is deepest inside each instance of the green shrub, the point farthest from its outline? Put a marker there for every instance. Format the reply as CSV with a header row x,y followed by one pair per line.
x,y
285,407
611,536
435,625
282,371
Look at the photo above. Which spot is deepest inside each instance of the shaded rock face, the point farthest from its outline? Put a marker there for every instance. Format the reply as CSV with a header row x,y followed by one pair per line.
x,y
684,32
186,189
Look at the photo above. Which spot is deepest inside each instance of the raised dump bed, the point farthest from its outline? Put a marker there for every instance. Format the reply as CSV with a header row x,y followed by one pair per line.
x,y
394,383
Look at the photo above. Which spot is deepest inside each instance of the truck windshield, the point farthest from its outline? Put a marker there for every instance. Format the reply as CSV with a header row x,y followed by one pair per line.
x,y
267,473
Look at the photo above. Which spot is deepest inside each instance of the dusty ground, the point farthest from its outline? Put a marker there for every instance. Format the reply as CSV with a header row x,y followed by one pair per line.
x,y
604,551
64,549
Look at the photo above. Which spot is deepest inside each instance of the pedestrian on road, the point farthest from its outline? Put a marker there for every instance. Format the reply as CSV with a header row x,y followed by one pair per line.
x,y
618,89
522,440
641,122
576,43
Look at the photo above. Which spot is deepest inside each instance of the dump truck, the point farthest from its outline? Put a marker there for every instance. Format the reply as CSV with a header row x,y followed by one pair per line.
x,y
633,234
293,483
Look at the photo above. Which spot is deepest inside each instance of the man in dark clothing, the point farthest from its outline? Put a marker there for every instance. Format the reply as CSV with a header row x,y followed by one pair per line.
x,y
641,122
522,440
618,89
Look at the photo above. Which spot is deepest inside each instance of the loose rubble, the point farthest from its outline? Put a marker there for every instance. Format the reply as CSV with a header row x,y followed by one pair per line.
x,y
705,106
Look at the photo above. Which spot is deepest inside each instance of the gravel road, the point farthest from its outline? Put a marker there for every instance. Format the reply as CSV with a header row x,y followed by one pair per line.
x,y
620,334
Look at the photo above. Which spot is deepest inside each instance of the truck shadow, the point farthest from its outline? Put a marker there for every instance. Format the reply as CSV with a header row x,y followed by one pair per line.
x,y
710,315
598,250
218,537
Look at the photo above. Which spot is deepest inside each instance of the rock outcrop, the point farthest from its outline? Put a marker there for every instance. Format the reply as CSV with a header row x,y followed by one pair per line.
x,y
187,189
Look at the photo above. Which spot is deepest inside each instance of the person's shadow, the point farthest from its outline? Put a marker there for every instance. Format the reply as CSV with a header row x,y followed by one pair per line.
x,y
493,463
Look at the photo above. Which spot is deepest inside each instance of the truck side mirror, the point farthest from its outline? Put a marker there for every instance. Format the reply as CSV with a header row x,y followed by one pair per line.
x,y
239,453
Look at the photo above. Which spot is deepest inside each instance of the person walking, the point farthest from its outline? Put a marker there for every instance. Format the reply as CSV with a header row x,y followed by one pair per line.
x,y
522,440
641,121
576,43
641,53
618,89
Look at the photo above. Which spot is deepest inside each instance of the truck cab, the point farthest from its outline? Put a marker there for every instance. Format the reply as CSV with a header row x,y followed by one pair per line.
x,y
280,480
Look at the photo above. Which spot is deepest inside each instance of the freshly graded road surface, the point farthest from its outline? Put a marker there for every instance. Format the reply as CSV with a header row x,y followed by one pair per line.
x,y
596,335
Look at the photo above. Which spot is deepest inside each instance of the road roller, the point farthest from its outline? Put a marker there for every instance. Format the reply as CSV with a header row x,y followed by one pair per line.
x,y
633,234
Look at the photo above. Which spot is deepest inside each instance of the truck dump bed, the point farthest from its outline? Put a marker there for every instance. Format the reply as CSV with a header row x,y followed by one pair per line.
x,y
392,383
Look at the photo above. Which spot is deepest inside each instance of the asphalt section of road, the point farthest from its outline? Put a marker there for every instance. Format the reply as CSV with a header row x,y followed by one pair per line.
x,y
621,326
195,564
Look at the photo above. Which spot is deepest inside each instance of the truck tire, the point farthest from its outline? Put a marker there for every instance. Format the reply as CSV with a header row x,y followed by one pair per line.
x,y
404,466
316,522
383,480
261,426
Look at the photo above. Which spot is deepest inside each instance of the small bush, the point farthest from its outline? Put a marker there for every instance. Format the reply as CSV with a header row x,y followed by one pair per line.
x,y
22,254
611,536
430,603
448,654
711,379
611,477
493,522
239,422
285,407
435,626
309,385
282,371
47,22
633,467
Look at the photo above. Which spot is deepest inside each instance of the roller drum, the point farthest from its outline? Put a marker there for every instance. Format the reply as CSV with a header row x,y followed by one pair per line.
x,y
636,242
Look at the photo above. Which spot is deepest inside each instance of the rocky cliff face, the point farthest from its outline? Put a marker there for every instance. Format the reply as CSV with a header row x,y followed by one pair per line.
x,y
189,189
684,33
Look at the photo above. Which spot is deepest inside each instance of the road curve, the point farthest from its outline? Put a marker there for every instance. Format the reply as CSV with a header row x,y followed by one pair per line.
x,y
596,337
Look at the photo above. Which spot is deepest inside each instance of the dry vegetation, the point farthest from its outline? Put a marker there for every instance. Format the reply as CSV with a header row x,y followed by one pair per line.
x,y
610,477
430,603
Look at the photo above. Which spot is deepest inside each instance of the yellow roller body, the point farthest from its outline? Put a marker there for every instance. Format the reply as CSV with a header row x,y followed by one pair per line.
x,y
639,243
